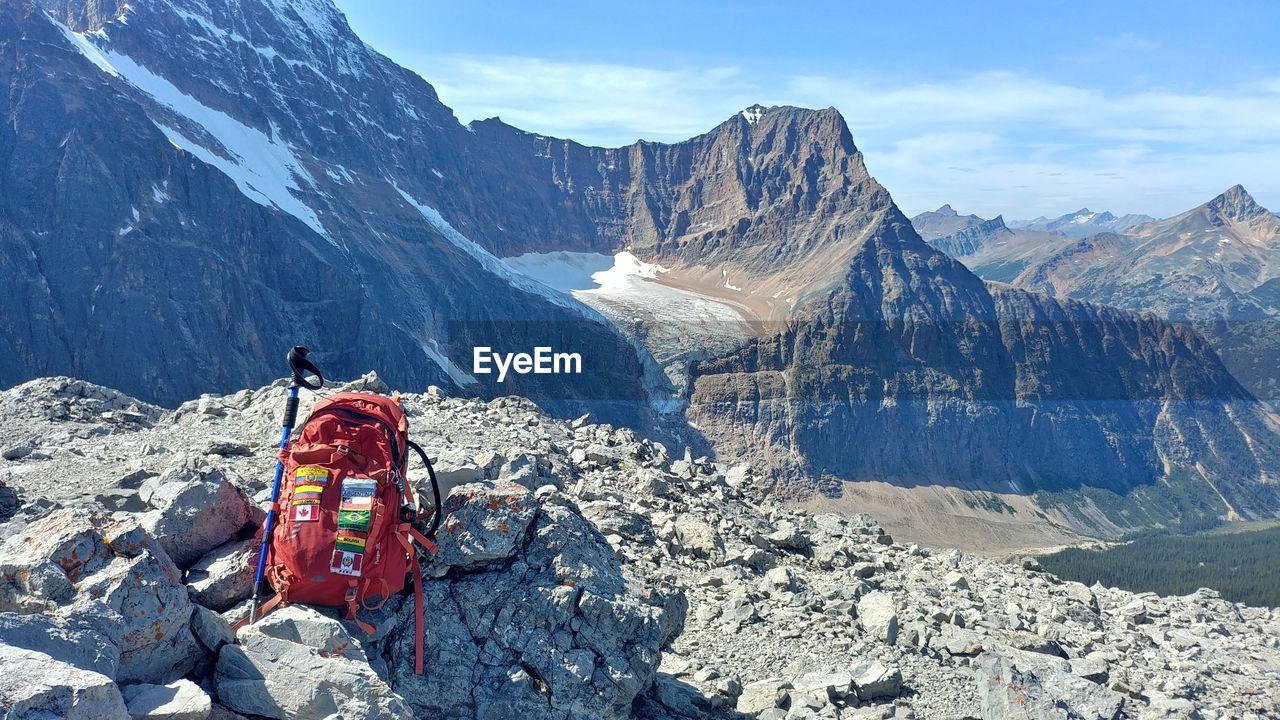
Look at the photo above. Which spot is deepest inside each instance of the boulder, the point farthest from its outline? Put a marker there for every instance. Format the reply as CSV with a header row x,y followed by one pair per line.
x,y
9,502
698,538
34,685
762,695
824,686
1008,688
558,633
211,629
295,663
181,700
224,577
111,578
40,566
875,680
196,508
145,591
72,640
878,616
484,523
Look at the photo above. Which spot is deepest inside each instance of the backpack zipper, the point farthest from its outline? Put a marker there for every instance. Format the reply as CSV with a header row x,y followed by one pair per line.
x,y
386,426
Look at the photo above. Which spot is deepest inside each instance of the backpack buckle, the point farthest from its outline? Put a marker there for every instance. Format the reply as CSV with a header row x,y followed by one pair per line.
x,y
351,594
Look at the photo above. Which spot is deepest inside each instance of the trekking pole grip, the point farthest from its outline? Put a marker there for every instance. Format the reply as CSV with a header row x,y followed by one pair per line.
x,y
300,365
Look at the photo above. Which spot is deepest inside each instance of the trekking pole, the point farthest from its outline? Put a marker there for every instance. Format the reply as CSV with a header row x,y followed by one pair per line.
x,y
300,365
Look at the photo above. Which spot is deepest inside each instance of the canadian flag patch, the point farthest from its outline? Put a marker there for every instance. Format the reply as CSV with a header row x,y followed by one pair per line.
x,y
305,513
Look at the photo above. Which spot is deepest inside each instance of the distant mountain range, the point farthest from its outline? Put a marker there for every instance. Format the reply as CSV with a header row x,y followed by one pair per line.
x,y
1216,266
1083,222
191,186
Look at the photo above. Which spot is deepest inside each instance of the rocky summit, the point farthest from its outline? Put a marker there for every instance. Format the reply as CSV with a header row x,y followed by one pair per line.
x,y
584,571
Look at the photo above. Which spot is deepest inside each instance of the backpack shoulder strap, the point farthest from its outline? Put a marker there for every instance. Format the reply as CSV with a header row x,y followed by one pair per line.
x,y
435,490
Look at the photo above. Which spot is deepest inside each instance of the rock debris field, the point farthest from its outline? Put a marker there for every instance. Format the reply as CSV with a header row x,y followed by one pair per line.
x,y
583,572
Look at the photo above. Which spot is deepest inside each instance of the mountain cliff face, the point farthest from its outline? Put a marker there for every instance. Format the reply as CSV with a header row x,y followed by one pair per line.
x,y
916,372
1215,266
191,185
960,235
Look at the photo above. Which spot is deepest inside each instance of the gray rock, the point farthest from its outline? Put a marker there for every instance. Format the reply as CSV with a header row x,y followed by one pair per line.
x,y
9,502
17,452
72,640
113,577
788,536
34,686
295,663
762,695
224,576
197,508
1008,689
155,613
878,616
211,629
826,685
698,537
226,447
38,567
877,681
181,700
558,633
482,524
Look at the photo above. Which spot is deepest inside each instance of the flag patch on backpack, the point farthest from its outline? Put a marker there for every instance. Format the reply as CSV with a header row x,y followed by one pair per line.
x,y
346,563
354,517
309,485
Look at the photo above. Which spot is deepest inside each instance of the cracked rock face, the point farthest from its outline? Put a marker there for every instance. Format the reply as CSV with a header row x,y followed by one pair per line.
x,y
555,632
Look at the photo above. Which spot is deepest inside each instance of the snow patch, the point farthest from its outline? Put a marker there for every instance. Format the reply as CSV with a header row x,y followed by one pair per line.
x,y
432,350
80,42
263,166
487,260
437,173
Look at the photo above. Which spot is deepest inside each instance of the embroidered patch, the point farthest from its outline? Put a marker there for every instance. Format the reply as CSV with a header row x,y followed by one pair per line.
x,y
350,542
346,563
311,475
358,520
355,514
305,513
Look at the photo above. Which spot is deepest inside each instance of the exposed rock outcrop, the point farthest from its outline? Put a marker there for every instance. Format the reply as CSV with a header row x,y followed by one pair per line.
x,y
590,595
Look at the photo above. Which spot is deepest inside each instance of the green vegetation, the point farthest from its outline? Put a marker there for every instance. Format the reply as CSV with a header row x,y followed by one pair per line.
x,y
1239,561
1183,502
987,501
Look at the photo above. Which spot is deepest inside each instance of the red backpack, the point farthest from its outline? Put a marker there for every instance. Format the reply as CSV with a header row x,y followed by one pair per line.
x,y
344,533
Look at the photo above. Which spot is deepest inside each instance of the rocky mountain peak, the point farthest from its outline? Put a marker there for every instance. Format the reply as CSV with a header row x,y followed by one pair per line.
x,y
1235,203
754,113
946,210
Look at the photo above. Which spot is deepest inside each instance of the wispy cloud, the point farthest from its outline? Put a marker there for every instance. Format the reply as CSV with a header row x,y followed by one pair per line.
x,y
994,142
590,102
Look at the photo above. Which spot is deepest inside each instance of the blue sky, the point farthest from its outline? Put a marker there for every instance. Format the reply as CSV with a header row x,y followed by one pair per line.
x,y
1023,108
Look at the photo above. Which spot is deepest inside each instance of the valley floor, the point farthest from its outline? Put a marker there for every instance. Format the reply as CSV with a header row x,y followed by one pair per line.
x,y
994,525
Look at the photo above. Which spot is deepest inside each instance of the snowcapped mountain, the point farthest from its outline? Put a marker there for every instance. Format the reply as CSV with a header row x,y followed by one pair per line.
x,y
217,180
193,185
1083,222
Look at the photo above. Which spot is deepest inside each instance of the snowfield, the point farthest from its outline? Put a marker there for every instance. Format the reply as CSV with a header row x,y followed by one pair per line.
x,y
676,325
